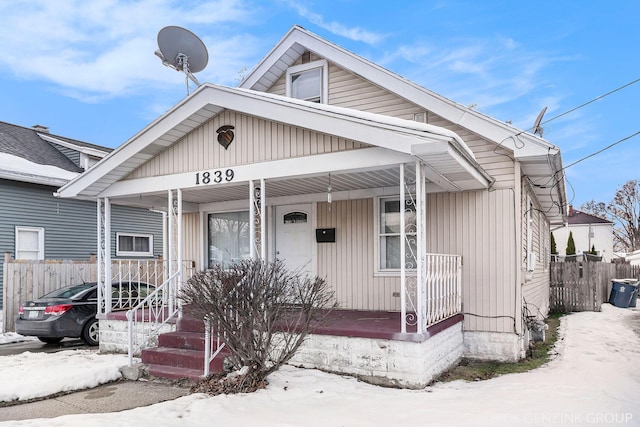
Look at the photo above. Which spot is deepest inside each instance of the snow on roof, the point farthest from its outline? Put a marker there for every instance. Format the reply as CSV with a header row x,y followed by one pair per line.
x,y
19,169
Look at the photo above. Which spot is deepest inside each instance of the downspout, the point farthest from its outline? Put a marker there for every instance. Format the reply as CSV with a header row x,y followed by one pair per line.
x,y
517,225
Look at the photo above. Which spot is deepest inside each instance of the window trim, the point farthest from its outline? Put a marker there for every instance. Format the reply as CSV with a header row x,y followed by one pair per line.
x,y
40,231
301,68
134,253
378,271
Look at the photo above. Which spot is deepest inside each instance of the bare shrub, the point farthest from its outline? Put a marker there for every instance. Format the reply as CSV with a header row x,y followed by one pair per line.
x,y
262,311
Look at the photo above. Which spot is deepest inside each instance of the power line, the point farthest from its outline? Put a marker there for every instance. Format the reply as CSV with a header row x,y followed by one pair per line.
x,y
600,151
593,100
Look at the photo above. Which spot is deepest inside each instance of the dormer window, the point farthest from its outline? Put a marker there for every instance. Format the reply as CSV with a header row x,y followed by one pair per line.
x,y
308,82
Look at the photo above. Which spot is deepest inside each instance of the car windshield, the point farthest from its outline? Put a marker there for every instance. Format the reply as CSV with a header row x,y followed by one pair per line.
x,y
69,291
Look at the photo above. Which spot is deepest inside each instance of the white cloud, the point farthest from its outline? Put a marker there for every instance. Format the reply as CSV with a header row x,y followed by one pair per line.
x,y
104,48
352,33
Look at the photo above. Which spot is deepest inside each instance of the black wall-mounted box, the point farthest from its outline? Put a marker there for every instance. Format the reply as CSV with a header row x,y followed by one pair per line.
x,y
325,235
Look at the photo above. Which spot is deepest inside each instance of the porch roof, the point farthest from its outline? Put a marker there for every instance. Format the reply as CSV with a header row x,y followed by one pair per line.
x,y
450,164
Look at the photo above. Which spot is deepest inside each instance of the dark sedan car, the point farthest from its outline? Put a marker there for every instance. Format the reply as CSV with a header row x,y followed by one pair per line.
x,y
71,311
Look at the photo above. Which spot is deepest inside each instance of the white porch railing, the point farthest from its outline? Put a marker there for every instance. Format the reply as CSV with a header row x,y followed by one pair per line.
x,y
443,284
156,297
212,338
147,318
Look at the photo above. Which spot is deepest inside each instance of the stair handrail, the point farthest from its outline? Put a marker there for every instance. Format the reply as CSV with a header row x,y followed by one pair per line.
x,y
209,337
208,341
158,315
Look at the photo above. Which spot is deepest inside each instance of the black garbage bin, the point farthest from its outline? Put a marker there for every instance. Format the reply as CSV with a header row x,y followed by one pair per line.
x,y
623,291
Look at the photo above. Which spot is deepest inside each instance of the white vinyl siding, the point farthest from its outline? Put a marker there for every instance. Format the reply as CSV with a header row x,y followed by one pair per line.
x,y
349,264
256,140
193,239
535,290
351,91
479,225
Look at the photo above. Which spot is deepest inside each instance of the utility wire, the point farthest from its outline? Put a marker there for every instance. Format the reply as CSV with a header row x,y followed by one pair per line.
x,y
592,101
600,151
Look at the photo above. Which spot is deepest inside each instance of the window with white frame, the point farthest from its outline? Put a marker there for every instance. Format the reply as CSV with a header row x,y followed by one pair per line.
x,y
530,255
390,234
128,244
308,82
229,239
29,242
545,237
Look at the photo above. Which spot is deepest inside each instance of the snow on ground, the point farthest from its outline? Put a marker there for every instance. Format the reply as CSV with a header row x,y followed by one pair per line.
x,y
594,380
30,375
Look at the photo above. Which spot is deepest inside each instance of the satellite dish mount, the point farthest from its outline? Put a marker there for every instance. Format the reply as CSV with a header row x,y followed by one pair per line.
x,y
537,129
180,49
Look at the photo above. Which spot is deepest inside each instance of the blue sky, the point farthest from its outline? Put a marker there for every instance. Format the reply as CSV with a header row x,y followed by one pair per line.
x,y
87,70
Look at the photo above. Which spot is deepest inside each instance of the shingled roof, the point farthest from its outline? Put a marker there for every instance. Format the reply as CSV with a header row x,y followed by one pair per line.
x,y
577,217
26,143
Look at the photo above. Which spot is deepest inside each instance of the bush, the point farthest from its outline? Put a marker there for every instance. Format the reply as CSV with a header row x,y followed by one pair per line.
x,y
571,246
263,312
554,249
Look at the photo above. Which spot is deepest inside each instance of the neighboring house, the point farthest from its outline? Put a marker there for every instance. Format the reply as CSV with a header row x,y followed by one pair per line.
x,y
313,159
588,231
633,258
34,224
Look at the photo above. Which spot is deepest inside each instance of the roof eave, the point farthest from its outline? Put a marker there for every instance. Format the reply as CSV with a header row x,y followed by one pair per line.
x,y
210,99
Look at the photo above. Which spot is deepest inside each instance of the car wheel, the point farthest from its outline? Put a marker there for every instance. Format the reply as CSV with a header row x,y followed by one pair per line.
x,y
90,332
48,340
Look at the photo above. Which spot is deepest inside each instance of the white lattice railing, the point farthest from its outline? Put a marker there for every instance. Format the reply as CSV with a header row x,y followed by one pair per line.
x,y
213,343
443,283
214,338
146,319
156,304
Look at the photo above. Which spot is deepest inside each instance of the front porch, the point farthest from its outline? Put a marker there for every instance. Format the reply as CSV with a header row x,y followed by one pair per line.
x,y
366,344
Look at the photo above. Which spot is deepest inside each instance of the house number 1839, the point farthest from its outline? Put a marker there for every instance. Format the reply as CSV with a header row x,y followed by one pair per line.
x,y
214,177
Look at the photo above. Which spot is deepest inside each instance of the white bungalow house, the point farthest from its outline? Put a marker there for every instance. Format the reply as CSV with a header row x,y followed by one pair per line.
x,y
317,153
588,231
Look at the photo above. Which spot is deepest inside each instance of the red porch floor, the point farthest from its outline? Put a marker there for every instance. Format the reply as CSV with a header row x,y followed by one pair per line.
x,y
362,324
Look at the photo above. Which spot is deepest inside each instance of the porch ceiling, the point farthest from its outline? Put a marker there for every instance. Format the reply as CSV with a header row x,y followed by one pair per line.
x,y
388,177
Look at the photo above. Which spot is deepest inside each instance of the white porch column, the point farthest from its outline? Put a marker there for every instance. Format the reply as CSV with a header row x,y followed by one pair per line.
x,y
410,249
421,246
252,220
257,217
103,207
263,222
174,202
403,269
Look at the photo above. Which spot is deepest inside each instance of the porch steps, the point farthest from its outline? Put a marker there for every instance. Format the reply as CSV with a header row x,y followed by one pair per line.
x,y
180,354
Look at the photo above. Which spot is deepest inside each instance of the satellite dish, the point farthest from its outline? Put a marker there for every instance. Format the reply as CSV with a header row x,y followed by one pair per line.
x,y
180,49
537,129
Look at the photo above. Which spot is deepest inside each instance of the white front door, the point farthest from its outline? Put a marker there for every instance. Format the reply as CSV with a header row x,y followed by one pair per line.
x,y
294,237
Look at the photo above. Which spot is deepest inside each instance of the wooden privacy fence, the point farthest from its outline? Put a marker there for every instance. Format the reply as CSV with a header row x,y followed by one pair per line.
x,y
25,280
584,286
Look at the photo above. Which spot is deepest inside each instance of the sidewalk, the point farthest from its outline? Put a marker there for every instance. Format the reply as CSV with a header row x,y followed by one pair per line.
x,y
112,397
